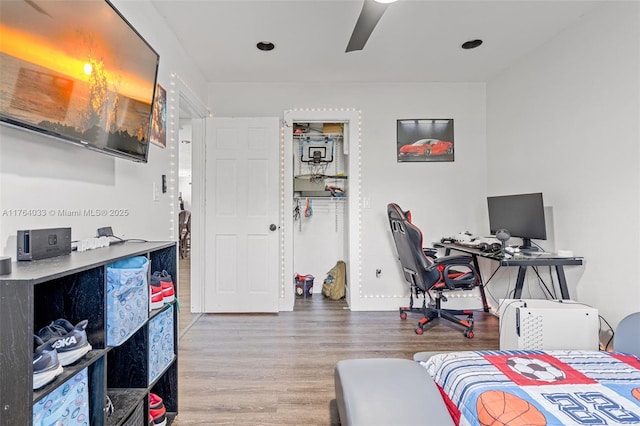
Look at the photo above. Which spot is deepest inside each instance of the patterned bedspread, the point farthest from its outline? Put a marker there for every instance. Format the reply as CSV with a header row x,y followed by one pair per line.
x,y
539,387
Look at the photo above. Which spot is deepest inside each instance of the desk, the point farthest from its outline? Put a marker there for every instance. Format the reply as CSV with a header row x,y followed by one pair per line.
x,y
522,261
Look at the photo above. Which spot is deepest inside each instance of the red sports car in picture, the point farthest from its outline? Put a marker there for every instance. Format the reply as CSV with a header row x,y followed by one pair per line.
x,y
426,148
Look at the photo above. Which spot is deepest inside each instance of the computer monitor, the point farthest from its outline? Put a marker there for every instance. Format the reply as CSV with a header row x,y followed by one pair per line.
x,y
521,214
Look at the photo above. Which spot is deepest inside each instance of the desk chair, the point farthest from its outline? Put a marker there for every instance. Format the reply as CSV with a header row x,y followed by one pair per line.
x,y
184,233
429,275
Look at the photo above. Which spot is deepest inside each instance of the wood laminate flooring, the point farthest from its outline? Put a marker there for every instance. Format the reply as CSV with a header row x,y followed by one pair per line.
x,y
277,369
185,318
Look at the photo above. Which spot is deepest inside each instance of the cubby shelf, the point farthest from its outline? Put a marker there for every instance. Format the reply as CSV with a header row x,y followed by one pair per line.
x,y
96,355
74,287
125,402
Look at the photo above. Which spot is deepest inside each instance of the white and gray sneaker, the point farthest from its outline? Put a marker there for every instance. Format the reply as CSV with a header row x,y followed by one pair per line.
x,y
70,341
46,365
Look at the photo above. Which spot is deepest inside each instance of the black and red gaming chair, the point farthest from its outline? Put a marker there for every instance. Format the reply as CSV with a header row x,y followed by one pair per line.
x,y
429,275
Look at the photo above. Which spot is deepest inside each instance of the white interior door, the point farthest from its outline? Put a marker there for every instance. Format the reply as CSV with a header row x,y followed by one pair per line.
x,y
242,204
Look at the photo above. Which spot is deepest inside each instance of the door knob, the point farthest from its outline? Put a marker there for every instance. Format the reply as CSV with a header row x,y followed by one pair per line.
x,y
272,227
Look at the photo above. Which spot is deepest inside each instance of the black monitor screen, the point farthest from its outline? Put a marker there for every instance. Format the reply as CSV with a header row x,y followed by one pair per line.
x,y
522,215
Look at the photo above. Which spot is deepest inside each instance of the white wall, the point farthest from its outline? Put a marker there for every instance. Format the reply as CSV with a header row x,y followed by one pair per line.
x,y
565,121
42,173
444,197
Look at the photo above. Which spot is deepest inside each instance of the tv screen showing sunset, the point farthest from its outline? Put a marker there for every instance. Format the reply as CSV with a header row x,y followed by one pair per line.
x,y
76,69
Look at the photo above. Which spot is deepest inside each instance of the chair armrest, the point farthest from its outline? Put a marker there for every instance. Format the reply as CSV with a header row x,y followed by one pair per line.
x,y
430,252
463,276
456,259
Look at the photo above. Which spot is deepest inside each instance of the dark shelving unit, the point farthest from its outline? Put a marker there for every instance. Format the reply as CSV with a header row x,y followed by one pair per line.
x,y
74,287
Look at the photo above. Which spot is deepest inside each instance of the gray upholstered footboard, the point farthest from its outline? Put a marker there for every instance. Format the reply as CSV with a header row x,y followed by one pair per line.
x,y
387,391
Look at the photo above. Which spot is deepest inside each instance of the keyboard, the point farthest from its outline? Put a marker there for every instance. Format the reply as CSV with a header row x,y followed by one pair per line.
x,y
467,244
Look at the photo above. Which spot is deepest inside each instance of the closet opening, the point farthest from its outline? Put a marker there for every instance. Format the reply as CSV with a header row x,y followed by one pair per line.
x,y
320,212
321,208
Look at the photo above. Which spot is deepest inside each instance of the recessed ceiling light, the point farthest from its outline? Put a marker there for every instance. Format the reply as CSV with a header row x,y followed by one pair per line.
x,y
265,46
471,44
386,1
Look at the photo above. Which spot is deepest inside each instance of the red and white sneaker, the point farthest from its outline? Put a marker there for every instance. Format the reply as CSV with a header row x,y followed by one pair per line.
x,y
164,281
156,299
157,412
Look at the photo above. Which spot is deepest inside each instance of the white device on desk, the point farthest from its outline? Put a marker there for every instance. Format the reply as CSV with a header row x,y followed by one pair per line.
x,y
538,324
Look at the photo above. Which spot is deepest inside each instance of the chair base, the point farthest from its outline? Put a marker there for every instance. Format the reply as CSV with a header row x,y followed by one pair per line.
x,y
449,315
411,308
405,309
430,314
434,311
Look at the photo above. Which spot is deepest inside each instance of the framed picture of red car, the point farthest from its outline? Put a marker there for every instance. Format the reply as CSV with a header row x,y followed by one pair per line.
x,y
421,140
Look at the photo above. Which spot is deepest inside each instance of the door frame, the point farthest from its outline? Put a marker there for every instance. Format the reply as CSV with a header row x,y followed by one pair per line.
x,y
182,97
352,140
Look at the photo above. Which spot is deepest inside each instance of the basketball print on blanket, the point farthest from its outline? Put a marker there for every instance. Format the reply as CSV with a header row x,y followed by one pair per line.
x,y
535,369
497,408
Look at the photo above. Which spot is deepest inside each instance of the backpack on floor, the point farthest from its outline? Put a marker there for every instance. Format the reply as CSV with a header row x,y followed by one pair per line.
x,y
335,284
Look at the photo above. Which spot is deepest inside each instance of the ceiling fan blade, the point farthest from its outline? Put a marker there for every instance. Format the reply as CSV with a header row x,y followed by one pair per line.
x,y
371,13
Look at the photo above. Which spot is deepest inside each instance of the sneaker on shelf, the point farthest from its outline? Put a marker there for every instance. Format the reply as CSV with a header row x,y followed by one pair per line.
x,y
157,412
46,365
70,341
156,299
164,281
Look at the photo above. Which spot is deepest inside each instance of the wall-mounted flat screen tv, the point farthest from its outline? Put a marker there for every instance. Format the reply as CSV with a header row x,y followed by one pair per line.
x,y
78,71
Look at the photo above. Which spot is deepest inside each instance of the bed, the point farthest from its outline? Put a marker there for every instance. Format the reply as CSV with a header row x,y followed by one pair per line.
x,y
538,387
515,388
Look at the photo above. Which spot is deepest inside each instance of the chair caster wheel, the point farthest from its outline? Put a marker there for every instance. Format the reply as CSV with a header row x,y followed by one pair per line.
x,y
419,331
403,315
468,334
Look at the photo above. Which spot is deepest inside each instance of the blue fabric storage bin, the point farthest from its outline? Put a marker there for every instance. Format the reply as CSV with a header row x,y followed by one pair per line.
x,y
127,298
161,348
67,405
